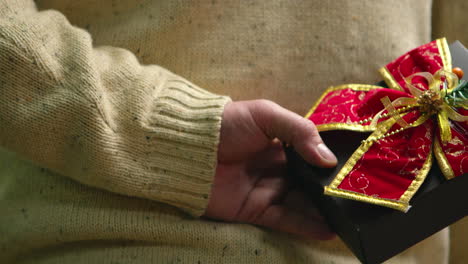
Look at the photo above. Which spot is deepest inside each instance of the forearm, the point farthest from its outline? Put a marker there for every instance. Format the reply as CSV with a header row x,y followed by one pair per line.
x,y
98,116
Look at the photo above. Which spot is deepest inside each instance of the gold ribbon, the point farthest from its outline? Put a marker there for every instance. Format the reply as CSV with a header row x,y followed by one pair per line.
x,y
429,102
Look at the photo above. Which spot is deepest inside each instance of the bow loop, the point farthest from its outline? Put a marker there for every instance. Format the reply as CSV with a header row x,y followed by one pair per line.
x,y
432,101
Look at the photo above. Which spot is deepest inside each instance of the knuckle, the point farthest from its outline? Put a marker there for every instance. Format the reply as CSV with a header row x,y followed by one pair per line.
x,y
267,104
312,127
305,128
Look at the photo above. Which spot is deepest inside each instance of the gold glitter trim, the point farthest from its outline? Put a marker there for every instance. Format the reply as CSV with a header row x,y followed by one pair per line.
x,y
418,180
344,126
349,165
333,190
444,52
354,87
442,160
402,203
389,80
397,205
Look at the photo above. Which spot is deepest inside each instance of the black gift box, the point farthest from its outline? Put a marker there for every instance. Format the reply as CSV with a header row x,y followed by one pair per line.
x,y
375,233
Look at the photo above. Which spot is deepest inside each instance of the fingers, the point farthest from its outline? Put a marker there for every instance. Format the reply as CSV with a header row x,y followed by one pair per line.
x,y
277,122
272,157
298,201
267,191
296,215
279,217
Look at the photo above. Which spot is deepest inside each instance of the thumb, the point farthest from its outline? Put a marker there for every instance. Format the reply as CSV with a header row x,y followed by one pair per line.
x,y
278,122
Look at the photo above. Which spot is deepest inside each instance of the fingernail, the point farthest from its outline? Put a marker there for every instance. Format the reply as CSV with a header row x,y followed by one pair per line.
x,y
326,153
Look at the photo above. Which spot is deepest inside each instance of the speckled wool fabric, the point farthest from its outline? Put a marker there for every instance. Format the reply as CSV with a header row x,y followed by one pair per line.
x,y
449,19
102,148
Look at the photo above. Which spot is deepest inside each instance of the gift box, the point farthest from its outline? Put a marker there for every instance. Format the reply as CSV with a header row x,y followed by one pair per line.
x,y
402,153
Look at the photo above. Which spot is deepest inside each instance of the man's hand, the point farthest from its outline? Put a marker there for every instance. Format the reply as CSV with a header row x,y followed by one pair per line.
x,y
251,185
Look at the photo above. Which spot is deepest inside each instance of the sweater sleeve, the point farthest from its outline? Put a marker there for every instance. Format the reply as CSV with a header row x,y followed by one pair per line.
x,y
98,116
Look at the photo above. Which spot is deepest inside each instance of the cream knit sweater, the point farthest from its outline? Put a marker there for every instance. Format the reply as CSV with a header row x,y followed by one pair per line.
x,y
102,148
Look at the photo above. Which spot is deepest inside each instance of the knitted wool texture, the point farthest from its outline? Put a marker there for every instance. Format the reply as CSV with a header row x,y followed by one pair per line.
x,y
102,148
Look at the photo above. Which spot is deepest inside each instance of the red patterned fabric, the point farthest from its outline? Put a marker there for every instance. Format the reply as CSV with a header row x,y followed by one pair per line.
x,y
388,168
350,106
423,59
456,150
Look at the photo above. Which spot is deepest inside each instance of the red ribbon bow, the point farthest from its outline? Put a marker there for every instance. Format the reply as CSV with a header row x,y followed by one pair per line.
x,y
389,167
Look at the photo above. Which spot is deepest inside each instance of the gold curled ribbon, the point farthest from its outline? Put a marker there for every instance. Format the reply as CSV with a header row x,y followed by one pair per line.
x,y
429,102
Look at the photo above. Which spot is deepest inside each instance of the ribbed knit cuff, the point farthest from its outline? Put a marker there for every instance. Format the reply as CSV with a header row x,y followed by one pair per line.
x,y
185,125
